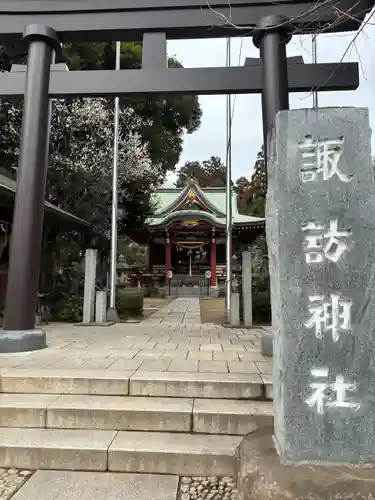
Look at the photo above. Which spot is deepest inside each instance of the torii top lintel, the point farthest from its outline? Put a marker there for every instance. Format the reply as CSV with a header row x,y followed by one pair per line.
x,y
127,20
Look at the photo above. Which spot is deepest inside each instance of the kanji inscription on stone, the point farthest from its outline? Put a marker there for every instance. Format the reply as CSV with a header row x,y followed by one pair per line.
x,y
322,157
332,315
322,243
329,395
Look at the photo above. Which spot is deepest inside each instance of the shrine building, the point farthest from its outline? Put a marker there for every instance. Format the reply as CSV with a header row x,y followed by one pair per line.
x,y
187,234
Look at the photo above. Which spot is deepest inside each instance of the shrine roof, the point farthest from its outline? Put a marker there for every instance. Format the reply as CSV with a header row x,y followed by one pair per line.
x,y
8,188
169,205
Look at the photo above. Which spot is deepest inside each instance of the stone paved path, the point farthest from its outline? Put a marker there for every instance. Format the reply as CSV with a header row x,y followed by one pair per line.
x,y
171,340
180,311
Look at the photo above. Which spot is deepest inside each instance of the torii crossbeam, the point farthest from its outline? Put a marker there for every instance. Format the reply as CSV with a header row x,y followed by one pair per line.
x,y
185,81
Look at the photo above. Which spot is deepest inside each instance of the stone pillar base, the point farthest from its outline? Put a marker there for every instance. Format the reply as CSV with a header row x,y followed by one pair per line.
x,y
22,341
262,476
266,345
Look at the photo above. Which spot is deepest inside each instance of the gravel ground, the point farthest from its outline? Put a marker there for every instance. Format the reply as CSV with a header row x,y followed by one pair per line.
x,y
11,480
207,488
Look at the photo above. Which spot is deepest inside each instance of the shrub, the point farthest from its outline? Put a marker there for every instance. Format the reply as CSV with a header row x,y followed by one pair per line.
x,y
153,292
129,302
262,306
69,310
150,291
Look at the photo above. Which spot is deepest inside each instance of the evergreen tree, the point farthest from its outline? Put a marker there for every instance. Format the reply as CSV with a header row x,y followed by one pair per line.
x,y
252,196
209,173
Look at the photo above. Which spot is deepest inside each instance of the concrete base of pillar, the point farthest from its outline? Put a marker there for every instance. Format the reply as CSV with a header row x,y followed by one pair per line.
x,y
261,475
112,315
266,345
22,341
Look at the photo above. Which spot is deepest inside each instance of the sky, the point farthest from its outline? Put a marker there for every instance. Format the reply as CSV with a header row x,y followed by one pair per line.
x,y
247,139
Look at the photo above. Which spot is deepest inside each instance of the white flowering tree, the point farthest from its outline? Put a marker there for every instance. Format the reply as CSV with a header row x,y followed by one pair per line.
x,y
81,160
80,165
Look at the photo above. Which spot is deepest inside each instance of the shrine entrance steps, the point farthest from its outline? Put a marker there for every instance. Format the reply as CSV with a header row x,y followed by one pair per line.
x,y
188,286
134,398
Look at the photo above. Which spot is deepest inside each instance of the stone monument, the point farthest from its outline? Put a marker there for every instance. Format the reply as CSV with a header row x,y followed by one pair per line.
x,y
247,288
91,257
321,240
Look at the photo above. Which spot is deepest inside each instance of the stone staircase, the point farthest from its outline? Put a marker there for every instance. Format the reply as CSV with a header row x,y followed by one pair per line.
x,y
147,422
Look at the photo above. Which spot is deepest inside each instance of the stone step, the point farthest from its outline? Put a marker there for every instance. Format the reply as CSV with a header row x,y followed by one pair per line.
x,y
197,385
180,454
96,450
140,383
199,416
55,449
121,413
231,417
53,381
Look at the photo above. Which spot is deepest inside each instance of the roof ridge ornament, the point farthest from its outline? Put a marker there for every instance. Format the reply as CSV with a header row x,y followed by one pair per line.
x,y
192,197
193,181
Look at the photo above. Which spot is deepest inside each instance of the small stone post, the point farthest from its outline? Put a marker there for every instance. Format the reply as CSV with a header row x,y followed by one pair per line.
x,y
247,294
91,257
101,307
235,309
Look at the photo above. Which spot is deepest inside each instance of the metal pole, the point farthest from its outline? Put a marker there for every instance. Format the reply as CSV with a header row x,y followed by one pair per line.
x,y
112,313
271,39
315,61
228,284
27,230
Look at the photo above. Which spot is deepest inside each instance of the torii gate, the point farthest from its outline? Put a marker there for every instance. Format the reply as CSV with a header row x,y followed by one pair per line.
x,y
153,22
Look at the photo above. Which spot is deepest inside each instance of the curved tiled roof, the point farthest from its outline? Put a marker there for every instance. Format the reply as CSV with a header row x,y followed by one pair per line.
x,y
167,201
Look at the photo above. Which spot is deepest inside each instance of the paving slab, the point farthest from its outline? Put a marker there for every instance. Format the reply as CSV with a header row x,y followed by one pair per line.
x,y
65,485
125,364
242,367
182,365
213,367
265,368
54,449
120,413
200,355
253,355
157,365
179,354
226,356
180,454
